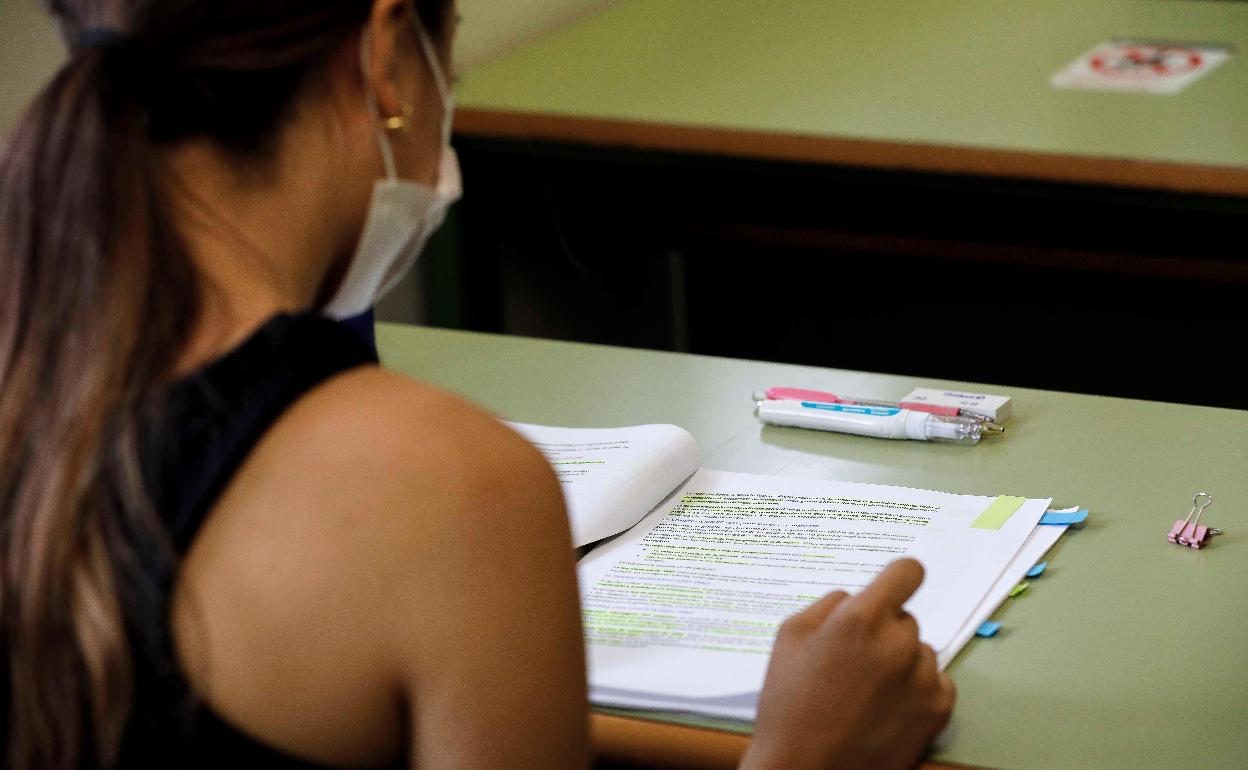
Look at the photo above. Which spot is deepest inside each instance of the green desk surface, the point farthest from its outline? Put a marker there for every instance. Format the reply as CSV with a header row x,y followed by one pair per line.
x,y
1128,652
489,28
972,73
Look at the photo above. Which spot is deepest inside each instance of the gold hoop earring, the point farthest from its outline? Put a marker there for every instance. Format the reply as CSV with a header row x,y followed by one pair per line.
x,y
399,122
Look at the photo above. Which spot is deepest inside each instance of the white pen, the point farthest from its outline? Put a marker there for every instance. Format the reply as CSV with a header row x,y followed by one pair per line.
x,y
823,397
880,422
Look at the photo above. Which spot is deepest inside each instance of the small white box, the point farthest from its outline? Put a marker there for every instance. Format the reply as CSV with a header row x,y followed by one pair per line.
x,y
996,408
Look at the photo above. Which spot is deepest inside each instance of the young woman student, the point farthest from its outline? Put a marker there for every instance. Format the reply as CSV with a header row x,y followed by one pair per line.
x,y
229,539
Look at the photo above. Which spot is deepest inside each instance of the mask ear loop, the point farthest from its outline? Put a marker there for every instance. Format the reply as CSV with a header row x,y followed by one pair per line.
x,y
439,77
387,153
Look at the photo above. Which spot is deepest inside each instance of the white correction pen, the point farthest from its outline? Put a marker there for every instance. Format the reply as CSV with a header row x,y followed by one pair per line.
x,y
880,422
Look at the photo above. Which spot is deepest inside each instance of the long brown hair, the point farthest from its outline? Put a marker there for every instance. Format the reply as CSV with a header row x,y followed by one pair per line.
x,y
97,298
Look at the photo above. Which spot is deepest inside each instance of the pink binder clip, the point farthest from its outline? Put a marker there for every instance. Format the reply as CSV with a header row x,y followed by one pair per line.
x,y
1190,532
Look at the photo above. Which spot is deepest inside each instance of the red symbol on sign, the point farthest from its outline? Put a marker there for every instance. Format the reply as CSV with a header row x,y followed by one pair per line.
x,y
1145,62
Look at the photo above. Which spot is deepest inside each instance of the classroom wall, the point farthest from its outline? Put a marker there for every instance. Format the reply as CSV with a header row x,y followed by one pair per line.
x,y
30,51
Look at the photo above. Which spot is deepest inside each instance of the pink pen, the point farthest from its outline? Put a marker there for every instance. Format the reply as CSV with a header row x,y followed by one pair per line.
x,y
799,394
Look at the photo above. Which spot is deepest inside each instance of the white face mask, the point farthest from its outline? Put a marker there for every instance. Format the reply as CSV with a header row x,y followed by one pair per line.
x,y
403,213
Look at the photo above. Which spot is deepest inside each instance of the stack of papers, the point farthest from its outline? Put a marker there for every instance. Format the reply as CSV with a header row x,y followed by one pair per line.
x,y
682,608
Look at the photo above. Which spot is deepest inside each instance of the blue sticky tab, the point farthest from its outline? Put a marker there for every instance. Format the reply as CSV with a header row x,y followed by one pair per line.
x,y
1037,570
1065,519
988,629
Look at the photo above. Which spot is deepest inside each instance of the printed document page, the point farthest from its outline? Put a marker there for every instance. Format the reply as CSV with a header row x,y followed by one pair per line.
x,y
612,477
1038,543
681,611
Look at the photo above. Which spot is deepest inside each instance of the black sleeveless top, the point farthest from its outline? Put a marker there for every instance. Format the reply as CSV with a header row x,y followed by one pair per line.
x,y
195,441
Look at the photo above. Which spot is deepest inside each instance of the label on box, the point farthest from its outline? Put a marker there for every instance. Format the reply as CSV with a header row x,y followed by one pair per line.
x,y
995,407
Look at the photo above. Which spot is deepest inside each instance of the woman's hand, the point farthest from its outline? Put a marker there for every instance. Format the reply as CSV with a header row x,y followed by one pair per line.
x,y
850,684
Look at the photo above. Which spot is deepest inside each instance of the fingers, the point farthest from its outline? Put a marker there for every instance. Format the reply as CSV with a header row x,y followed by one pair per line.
x,y
927,665
928,699
825,604
910,626
892,587
948,690
813,615
948,696
935,682
940,692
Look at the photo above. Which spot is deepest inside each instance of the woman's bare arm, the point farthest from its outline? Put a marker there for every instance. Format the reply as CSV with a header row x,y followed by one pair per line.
x,y
390,572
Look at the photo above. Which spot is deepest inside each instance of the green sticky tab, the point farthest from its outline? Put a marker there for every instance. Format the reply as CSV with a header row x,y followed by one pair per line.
x,y
1018,589
995,516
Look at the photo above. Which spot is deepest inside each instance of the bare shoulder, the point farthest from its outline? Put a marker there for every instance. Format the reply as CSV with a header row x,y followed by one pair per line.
x,y
366,532
369,442
378,464
371,418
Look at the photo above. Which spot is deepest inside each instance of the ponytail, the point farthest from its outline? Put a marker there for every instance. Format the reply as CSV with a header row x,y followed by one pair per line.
x,y
96,297
97,300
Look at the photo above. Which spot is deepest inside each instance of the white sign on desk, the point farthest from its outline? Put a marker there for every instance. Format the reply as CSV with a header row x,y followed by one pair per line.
x,y
1141,66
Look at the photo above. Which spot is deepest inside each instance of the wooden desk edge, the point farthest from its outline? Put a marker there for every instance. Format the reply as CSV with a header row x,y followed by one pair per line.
x,y
642,743
901,156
